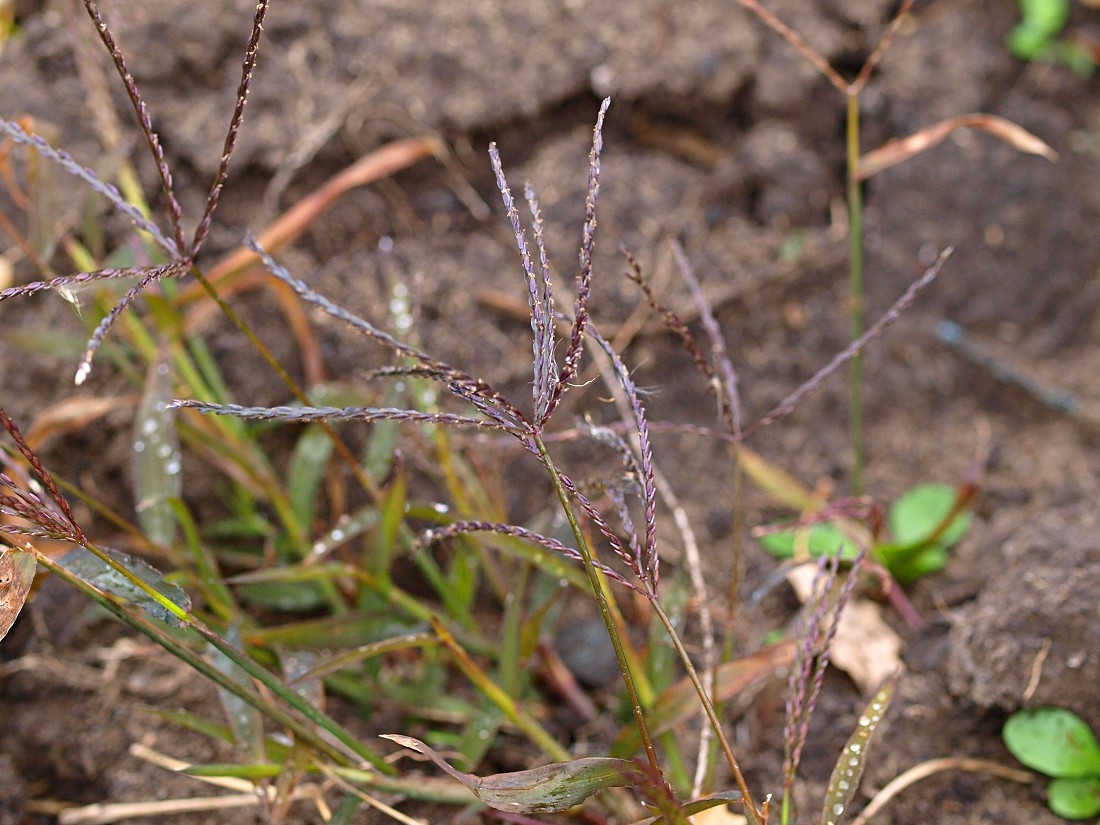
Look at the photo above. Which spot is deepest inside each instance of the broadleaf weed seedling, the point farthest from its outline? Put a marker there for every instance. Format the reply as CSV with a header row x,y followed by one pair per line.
x,y
1058,743
925,522
1036,36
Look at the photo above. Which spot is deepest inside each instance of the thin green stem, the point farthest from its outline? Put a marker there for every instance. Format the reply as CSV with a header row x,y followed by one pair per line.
x,y
748,805
601,601
855,295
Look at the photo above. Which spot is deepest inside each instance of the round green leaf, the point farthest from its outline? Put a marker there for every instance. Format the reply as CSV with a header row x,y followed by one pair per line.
x,y
1053,741
1075,798
930,560
920,510
824,539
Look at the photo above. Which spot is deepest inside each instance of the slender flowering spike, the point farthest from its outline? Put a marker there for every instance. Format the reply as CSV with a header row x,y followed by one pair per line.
x,y
144,121
542,318
650,558
465,386
66,517
150,277
788,404
307,414
235,121
571,361
71,281
98,185
729,398
541,387
460,527
597,518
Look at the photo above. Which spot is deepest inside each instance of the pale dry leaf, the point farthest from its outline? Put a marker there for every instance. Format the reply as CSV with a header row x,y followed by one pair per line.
x,y
865,646
71,415
896,151
718,815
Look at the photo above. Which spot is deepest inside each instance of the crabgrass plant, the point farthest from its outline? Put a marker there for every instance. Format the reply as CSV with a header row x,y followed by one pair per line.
x,y
263,672
861,166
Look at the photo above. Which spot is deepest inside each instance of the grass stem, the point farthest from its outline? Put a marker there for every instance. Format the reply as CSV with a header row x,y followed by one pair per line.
x,y
855,295
605,609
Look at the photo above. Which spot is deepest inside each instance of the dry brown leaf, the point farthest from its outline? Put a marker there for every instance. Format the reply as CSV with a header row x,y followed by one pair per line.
x,y
896,151
719,815
865,646
71,415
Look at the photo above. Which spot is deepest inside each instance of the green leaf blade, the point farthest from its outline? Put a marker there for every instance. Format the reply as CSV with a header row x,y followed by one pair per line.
x,y
1075,798
84,564
549,789
1053,741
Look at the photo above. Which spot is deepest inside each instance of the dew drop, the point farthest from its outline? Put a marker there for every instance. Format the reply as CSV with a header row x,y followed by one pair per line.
x,y
139,446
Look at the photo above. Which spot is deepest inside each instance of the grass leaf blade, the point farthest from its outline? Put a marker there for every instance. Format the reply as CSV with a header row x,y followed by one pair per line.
x,y
849,768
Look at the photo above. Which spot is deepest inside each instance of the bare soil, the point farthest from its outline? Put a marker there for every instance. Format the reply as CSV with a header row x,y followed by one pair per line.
x,y
719,135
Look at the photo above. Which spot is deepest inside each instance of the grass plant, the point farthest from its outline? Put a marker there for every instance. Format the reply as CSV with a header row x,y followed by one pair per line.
x,y
319,554
860,167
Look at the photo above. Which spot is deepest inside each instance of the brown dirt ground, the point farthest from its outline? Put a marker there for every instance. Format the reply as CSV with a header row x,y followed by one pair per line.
x,y
720,135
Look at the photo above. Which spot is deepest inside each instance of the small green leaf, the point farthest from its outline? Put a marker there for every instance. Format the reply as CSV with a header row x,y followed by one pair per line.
x,y
16,575
84,564
919,511
549,789
1075,798
307,470
849,767
823,539
244,720
287,597
157,461
929,560
1053,741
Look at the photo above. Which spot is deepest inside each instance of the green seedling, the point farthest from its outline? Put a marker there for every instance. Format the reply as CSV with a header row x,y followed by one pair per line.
x,y
925,522
1058,743
1035,37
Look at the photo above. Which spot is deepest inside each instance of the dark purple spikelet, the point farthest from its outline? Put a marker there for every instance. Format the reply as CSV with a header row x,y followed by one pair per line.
x,y
788,404
571,360
144,121
247,68
149,276
438,534
40,514
726,391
